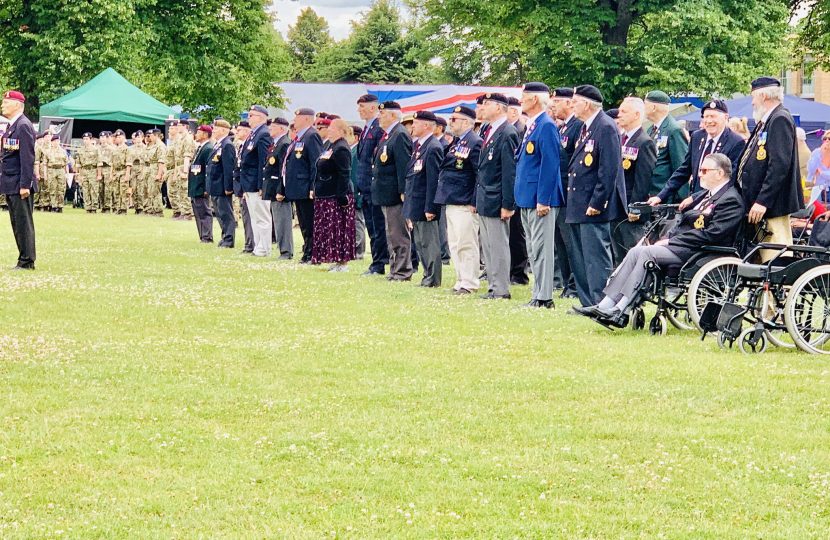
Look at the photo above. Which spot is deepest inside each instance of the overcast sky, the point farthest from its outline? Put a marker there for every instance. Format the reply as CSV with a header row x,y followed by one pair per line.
x,y
338,13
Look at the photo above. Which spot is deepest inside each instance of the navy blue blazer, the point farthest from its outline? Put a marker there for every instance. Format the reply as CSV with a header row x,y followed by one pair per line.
x,y
597,181
457,179
568,135
197,178
422,181
17,158
272,184
538,177
389,167
252,159
301,165
497,172
730,143
369,140
220,167
639,159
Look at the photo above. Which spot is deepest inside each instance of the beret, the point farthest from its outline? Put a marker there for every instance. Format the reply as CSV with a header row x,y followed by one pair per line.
x,y
56,137
613,113
206,129
764,82
154,131
104,134
408,118
280,121
304,111
322,114
480,99
495,96
120,132
334,117
514,102
15,95
357,130
138,133
323,122
589,92
657,96
429,116
440,121
390,106
536,88
563,93
715,105
244,124
367,98
260,109
465,111
221,122
87,134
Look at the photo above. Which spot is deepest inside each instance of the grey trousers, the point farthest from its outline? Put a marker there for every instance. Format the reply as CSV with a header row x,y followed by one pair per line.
x,y
495,243
223,210
540,232
626,234
631,274
427,237
359,233
399,242
204,217
282,214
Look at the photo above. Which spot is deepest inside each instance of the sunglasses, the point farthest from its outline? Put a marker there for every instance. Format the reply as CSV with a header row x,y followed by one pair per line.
x,y
825,139
704,171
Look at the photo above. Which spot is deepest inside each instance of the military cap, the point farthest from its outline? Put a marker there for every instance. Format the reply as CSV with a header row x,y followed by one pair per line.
x,y
764,82
56,137
138,133
260,109
495,96
390,106
715,105
120,132
465,111
589,92
613,113
562,92
334,117
280,121
322,122
440,121
221,122
87,134
304,111
480,99
513,102
206,129
408,118
244,124
536,88
357,130
104,134
184,122
15,95
322,114
658,96
367,98
427,116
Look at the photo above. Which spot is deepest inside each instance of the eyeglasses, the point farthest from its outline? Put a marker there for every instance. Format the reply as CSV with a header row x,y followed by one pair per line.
x,y
453,119
825,139
704,171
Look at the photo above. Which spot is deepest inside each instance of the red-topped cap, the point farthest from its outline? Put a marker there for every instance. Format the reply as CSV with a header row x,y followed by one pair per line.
x,y
15,95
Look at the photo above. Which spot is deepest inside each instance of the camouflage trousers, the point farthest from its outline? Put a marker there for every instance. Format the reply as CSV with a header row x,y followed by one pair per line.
x,y
91,188
151,193
137,184
123,194
112,191
57,186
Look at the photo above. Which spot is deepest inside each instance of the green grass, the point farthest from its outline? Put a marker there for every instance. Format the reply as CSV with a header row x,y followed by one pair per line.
x,y
156,387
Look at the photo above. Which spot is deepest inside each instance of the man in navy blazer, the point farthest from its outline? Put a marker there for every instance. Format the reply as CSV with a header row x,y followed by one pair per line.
x,y
251,166
220,179
419,207
17,176
300,171
713,137
538,189
596,194
367,108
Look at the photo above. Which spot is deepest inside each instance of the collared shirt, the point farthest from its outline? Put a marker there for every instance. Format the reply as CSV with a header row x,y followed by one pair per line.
x,y
389,129
660,123
531,123
301,133
768,113
590,121
568,119
13,119
494,126
369,123
714,144
630,134
712,192
423,140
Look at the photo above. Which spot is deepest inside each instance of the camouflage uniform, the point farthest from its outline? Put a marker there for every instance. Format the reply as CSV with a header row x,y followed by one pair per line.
x,y
105,162
56,162
156,153
87,166
119,196
135,159
186,150
42,197
170,175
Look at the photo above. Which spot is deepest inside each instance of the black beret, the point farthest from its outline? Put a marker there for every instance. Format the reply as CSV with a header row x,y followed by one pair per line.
x,y
429,116
589,92
765,82
120,132
321,114
367,98
465,111
613,113
184,122
85,135
105,134
260,109
536,88
304,111
563,93
244,124
514,102
357,130
153,131
495,96
56,137
440,121
390,106
279,120
138,133
715,105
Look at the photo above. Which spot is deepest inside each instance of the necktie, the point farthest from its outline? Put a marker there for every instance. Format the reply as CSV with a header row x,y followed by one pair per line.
x,y
417,147
708,149
625,139
750,145
487,134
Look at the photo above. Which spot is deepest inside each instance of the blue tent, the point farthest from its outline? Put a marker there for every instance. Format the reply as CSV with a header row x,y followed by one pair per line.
x,y
813,117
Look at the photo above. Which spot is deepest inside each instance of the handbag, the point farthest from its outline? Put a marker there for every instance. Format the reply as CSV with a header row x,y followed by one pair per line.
x,y
820,235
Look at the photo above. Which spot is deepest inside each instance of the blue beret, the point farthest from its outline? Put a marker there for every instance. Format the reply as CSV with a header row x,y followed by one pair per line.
x,y
715,105
260,109
304,111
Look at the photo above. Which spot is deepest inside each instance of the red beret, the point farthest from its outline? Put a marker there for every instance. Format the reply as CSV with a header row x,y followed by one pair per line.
x,y
206,129
15,95
322,122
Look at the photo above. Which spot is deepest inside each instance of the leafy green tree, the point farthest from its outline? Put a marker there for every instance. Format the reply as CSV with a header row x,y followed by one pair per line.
x,y
813,30
307,38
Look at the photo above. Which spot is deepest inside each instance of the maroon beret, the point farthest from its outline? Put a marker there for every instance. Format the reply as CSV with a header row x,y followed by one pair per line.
x,y
15,95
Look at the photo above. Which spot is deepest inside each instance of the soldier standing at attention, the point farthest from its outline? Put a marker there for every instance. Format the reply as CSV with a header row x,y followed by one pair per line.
x,y
155,172
134,174
104,170
170,164
41,196
57,162
118,190
88,169
184,156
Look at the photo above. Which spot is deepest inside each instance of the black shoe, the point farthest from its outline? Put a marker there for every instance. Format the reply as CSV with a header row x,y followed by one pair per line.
x,y
547,304
18,267
491,296
567,295
608,314
398,278
90,211
462,290
225,246
59,210
246,252
285,257
105,211
305,261
587,311
483,276
371,272
207,241
519,281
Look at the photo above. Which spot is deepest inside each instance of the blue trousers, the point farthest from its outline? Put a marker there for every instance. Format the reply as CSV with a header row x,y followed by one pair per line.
x,y
592,262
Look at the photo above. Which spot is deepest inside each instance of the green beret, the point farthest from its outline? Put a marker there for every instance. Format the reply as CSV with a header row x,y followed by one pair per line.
x,y
656,96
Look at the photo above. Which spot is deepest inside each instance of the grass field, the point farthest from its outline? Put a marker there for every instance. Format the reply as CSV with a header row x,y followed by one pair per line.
x,y
154,387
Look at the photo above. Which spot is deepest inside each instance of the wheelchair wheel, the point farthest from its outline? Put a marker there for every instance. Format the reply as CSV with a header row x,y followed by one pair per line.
x,y
747,347
711,284
658,326
807,311
779,337
724,343
680,319
637,319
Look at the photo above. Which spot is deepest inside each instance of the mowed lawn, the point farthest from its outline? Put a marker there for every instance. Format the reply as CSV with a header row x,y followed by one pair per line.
x,y
154,387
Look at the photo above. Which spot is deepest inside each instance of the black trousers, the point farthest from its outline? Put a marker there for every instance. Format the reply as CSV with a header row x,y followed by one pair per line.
x,y
23,227
223,209
203,216
562,255
305,216
249,230
376,227
518,250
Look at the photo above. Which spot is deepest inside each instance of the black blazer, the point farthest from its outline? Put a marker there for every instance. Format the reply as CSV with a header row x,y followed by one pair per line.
x,y
17,158
520,128
721,218
568,135
252,159
389,167
597,182
497,172
334,171
422,181
640,166
730,143
197,176
301,165
220,168
369,140
272,181
770,175
457,176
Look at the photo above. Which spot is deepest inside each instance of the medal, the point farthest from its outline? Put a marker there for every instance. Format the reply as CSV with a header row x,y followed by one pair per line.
x,y
490,155
589,146
459,164
383,157
626,164
762,154
419,165
272,160
699,223
530,147
564,142
589,159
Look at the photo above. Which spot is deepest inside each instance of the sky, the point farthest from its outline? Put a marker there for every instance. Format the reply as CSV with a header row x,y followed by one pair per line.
x,y
338,13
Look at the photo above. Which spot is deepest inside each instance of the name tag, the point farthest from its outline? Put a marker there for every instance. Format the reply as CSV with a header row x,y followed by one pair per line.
x,y
327,154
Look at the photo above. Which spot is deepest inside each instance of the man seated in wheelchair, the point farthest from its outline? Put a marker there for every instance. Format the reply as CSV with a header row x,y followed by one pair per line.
x,y
711,217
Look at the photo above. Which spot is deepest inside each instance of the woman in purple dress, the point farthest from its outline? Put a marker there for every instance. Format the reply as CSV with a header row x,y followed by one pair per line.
x,y
334,226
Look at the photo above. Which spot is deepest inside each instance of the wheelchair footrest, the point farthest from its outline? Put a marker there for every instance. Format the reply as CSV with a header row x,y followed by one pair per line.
x,y
731,319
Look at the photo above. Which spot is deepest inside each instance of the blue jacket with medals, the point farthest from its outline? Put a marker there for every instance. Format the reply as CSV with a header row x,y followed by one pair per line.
x,y
301,164
252,159
538,177
457,179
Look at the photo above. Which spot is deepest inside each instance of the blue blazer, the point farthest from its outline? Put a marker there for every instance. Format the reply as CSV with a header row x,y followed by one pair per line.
x,y
730,143
366,145
457,180
220,168
252,159
17,158
301,165
538,177
422,181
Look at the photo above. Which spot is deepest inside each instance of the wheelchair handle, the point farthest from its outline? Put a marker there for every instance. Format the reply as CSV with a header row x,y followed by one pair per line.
x,y
646,206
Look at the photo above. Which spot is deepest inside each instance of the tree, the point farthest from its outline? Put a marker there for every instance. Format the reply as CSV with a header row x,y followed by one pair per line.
x,y
813,30
307,39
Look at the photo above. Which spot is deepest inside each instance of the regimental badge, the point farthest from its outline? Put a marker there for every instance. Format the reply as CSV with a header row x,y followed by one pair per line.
x,y
626,164
272,160
459,164
699,222
530,147
216,158
418,166
383,155
762,154
589,146
589,159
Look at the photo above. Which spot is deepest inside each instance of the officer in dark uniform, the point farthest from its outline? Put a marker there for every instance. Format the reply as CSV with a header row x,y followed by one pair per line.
x,y
243,129
273,188
300,172
197,188
17,176
221,165
367,108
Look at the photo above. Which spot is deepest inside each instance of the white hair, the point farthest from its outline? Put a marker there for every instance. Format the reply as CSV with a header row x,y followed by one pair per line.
x,y
544,99
398,114
775,93
594,106
637,104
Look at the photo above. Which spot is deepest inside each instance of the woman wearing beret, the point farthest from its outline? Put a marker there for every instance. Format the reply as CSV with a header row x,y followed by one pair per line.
x,y
334,211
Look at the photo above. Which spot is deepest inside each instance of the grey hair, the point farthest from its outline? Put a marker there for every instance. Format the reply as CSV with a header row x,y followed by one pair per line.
x,y
637,104
544,99
722,162
398,114
594,106
775,93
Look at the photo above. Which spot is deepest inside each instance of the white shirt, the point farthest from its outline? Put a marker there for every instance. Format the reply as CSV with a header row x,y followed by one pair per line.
x,y
630,134
494,126
423,140
763,118
590,121
714,144
660,123
14,118
389,129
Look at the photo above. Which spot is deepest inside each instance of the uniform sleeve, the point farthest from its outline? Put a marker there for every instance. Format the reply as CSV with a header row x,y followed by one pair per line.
x,y
508,170
402,152
313,147
646,160
550,179
343,163
780,149
610,165
432,165
720,231
475,158
678,148
679,178
262,146
27,157
228,165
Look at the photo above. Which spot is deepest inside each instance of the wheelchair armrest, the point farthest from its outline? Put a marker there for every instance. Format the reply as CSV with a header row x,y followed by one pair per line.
x,y
808,249
719,249
768,245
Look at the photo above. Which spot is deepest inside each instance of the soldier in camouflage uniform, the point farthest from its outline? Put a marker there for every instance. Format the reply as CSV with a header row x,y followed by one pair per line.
x,y
184,156
170,164
87,169
105,166
57,164
119,196
135,171
42,197
154,172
